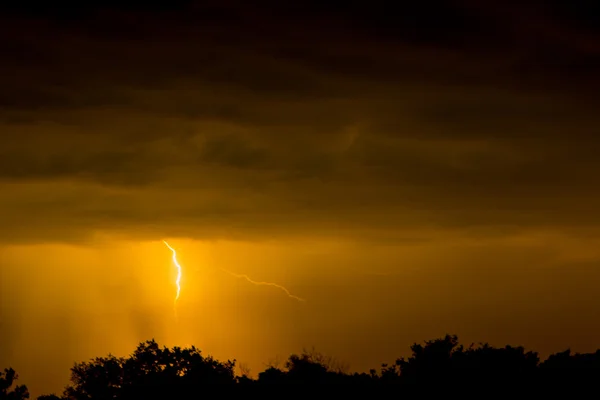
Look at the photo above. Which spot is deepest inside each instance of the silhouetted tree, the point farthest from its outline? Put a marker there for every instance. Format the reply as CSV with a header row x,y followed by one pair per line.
x,y
308,367
101,378
445,360
488,365
432,362
575,368
244,376
150,370
303,369
272,375
154,371
7,380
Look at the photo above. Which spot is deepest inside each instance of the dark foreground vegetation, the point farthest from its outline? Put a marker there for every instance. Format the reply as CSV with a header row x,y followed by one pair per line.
x,y
154,371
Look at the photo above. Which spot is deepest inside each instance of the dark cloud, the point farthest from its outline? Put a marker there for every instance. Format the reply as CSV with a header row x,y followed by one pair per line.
x,y
292,120
233,152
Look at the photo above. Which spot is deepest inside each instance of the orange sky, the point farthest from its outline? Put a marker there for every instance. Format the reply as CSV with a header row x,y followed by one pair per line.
x,y
365,303
406,182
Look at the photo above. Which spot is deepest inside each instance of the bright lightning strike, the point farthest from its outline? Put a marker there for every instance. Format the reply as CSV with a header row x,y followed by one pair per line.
x,y
287,292
178,279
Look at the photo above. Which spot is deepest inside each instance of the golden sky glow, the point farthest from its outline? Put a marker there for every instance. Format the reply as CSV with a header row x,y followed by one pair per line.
x,y
380,185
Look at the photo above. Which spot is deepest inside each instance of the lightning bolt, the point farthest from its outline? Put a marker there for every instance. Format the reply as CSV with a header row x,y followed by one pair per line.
x,y
287,292
178,279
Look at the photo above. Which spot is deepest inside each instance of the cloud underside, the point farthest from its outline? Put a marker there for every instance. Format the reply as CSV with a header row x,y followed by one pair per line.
x,y
202,137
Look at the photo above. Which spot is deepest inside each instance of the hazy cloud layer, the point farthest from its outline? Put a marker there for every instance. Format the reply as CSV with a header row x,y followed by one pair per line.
x,y
189,123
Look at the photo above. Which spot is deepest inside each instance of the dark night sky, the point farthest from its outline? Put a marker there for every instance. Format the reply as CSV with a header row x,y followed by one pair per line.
x,y
451,146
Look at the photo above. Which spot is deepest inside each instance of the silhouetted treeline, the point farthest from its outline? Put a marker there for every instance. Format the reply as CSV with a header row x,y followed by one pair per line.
x,y
153,371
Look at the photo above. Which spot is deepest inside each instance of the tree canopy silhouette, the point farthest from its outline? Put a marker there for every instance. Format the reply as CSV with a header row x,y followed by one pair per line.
x,y
7,391
177,372
445,360
150,370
